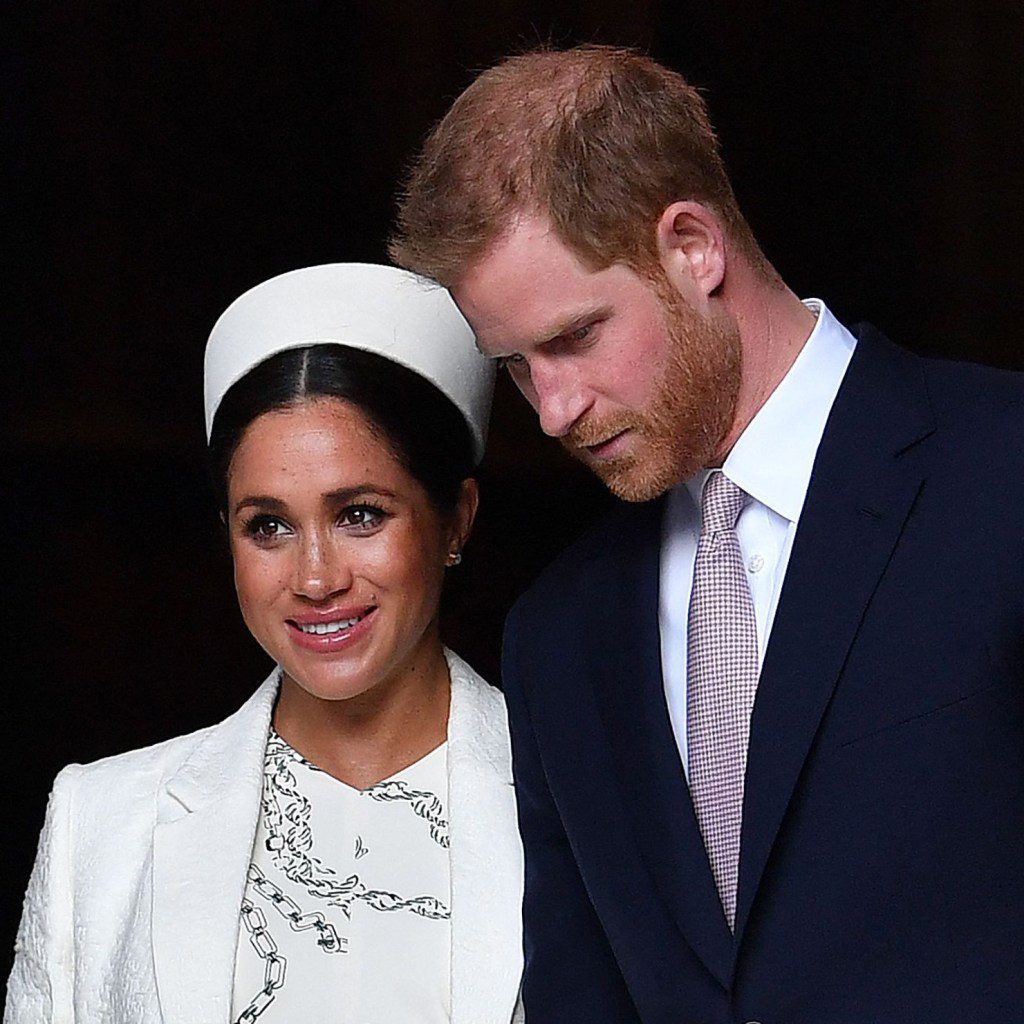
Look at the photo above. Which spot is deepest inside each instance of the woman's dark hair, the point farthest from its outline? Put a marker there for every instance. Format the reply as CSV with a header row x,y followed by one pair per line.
x,y
424,429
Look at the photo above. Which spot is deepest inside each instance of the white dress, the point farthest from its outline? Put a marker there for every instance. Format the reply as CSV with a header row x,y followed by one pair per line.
x,y
132,911
346,914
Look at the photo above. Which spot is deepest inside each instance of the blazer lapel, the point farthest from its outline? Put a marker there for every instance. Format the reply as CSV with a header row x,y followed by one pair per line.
x,y
486,854
862,490
648,770
202,845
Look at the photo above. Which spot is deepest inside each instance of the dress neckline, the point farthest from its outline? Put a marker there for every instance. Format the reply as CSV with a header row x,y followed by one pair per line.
x,y
275,738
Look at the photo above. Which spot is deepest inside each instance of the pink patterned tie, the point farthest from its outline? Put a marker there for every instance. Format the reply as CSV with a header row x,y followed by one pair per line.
x,y
721,679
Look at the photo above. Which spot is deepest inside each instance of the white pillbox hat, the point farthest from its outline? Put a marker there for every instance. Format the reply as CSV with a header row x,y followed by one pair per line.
x,y
396,314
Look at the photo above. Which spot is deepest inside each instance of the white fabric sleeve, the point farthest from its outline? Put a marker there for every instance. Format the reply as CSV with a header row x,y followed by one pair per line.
x,y
41,986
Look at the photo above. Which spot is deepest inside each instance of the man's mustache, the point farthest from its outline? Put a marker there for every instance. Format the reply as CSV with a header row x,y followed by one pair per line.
x,y
587,433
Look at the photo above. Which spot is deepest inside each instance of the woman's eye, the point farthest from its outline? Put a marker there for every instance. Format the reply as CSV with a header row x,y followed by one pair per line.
x,y
362,517
263,528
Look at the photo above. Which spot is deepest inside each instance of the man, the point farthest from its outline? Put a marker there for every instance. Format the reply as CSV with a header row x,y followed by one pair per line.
x,y
768,722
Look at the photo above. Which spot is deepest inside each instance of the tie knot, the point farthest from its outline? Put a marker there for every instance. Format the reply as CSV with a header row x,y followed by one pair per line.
x,y
721,503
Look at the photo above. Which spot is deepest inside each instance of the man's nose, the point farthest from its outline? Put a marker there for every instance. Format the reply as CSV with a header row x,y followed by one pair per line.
x,y
322,568
558,397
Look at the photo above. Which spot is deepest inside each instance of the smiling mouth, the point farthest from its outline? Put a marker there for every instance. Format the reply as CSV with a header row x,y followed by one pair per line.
x,y
332,631
326,628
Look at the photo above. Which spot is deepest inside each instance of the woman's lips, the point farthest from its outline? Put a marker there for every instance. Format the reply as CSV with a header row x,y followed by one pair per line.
x,y
328,635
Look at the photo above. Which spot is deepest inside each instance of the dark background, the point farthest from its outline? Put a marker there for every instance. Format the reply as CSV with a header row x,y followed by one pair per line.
x,y
164,158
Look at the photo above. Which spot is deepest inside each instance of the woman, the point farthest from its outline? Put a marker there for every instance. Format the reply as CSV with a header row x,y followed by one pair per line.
x,y
344,846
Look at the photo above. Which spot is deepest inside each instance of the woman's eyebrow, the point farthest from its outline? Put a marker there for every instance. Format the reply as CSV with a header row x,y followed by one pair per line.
x,y
268,503
261,501
344,494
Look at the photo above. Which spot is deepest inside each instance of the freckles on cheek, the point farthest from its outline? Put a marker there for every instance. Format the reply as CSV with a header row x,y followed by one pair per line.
x,y
257,579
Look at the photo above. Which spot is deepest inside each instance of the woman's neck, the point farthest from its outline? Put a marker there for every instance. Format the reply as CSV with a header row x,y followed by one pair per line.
x,y
364,739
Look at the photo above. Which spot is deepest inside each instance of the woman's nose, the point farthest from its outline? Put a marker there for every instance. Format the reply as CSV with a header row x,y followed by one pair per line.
x,y
322,569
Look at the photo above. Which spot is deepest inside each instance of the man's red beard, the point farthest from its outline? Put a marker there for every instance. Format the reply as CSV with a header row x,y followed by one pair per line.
x,y
684,426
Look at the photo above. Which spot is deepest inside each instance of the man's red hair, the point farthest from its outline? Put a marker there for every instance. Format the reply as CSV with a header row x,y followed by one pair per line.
x,y
596,139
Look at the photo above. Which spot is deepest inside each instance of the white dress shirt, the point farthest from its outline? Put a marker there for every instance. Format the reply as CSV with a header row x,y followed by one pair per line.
x,y
772,462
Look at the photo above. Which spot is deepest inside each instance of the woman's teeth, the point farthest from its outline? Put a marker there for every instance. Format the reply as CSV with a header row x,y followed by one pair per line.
x,y
323,628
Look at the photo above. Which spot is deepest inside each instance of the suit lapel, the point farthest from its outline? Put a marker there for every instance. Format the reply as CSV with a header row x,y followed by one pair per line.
x,y
486,854
862,490
648,770
202,844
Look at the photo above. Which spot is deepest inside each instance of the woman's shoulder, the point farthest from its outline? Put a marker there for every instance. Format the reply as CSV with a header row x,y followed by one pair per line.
x,y
118,784
122,786
139,768
478,721
469,685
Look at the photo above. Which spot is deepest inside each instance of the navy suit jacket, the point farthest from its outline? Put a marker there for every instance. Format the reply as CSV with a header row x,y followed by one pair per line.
x,y
881,874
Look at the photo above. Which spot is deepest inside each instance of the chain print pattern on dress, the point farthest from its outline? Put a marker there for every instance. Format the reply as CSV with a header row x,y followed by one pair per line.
x,y
426,806
327,939
286,814
266,948
289,840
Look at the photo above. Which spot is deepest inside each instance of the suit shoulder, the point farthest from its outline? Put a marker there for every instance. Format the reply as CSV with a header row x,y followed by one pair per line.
x,y
975,408
568,579
971,402
958,384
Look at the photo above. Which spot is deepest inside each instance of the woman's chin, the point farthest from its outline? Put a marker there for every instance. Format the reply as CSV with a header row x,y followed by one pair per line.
x,y
319,682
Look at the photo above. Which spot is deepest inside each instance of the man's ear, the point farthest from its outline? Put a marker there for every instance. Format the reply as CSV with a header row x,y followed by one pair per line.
x,y
691,248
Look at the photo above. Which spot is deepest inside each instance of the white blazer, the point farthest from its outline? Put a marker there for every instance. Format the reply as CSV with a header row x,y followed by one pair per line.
x,y
132,910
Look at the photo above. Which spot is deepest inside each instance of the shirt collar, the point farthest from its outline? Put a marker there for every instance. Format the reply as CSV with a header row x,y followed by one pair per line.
x,y
773,457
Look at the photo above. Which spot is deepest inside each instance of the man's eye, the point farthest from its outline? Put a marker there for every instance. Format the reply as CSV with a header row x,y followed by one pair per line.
x,y
580,333
512,363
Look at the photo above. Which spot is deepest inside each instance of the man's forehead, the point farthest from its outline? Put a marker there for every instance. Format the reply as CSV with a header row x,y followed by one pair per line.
x,y
523,240
526,287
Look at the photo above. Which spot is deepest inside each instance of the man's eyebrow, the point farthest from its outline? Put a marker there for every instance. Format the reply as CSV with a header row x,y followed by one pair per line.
x,y
268,503
571,322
